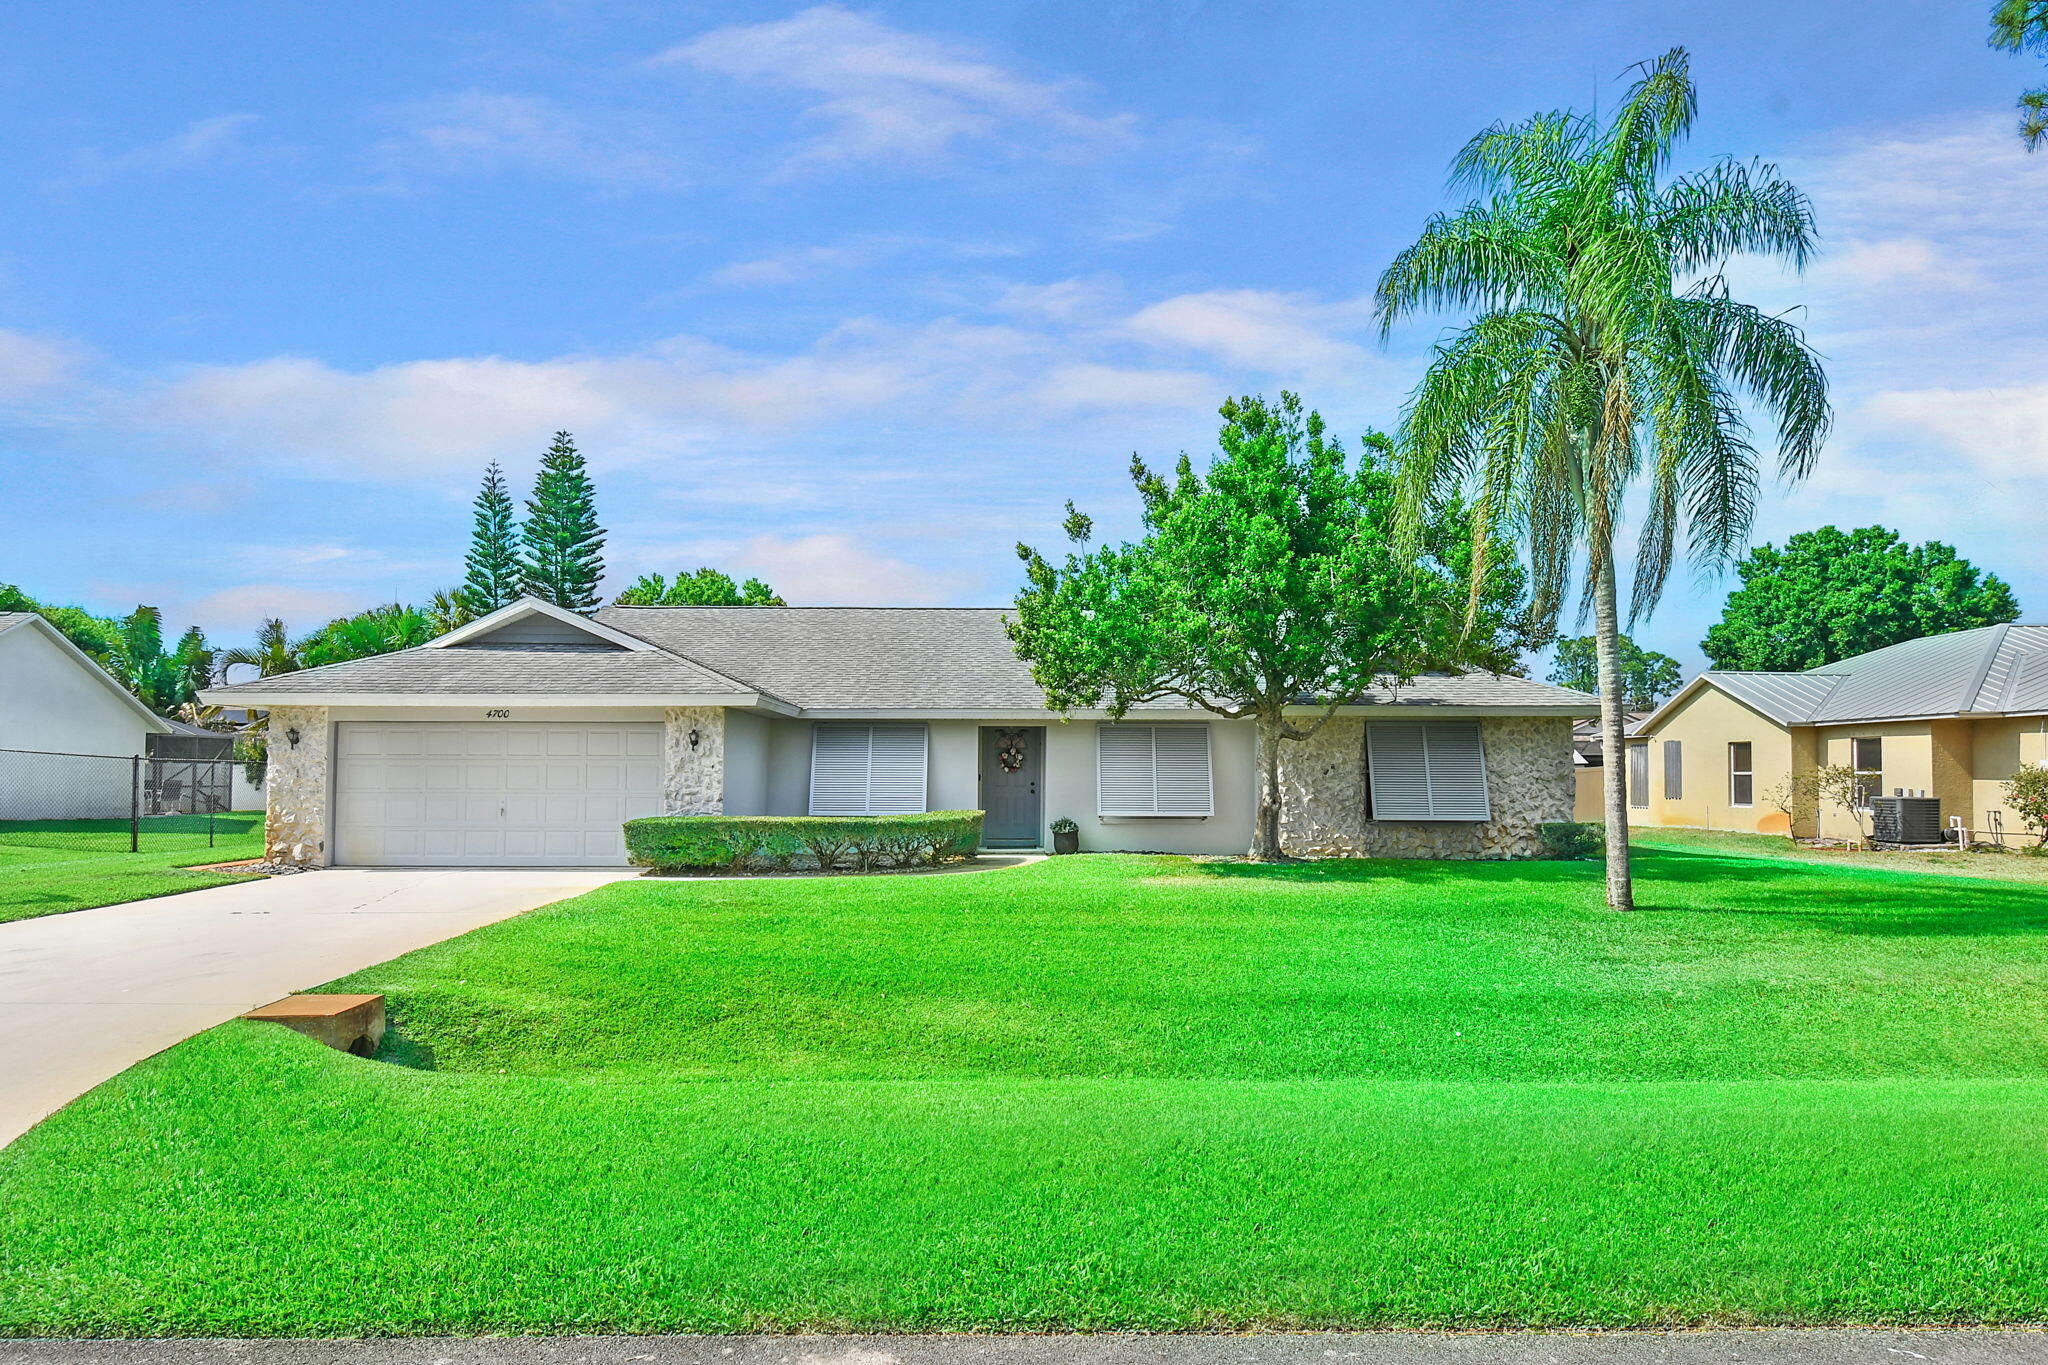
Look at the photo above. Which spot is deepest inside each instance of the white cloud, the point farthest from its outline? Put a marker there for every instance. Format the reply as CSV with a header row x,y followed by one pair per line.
x,y
32,365
682,396
833,570
206,142
885,93
231,613
481,131
786,267
1256,330
1896,261
2000,433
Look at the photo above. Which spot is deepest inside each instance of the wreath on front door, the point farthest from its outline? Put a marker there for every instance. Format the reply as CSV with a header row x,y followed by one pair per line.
x,y
1010,750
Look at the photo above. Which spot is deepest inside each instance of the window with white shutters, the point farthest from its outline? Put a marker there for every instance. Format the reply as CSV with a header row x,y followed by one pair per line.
x,y
1427,770
868,769
1153,770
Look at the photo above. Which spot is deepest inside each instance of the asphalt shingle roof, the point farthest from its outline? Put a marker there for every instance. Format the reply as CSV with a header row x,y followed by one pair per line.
x,y
938,659
511,671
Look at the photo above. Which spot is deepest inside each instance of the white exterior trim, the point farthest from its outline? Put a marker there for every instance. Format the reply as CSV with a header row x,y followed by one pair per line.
x,y
263,701
534,606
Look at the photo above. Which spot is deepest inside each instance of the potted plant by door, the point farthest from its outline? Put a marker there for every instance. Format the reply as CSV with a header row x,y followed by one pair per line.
x,y
1066,836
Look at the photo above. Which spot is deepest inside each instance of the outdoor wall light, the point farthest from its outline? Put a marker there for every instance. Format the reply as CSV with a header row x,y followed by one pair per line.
x,y
292,735
693,739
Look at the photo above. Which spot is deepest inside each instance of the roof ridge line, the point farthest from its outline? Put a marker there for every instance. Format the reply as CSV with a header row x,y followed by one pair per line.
x,y
1971,694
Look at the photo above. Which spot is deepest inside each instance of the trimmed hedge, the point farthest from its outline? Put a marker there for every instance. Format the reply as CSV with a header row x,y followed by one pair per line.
x,y
1573,839
783,843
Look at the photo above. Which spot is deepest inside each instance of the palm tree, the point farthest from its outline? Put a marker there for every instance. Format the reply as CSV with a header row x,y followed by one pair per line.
x,y
1606,359
273,653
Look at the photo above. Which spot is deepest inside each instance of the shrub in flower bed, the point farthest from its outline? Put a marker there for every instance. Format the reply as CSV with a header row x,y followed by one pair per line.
x,y
786,843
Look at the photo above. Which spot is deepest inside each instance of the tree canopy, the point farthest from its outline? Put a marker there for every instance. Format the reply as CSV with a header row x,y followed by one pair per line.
x,y
1830,594
564,559
1608,358
1647,677
131,648
2022,26
492,578
1270,587
705,588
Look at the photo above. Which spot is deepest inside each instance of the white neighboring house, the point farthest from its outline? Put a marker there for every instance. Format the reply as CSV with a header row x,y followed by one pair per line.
x,y
529,736
54,700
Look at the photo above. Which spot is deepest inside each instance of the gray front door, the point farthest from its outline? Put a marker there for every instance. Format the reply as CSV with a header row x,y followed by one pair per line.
x,y
1012,775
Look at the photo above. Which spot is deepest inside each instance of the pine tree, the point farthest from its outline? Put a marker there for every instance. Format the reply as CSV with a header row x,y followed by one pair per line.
x,y
494,577
562,564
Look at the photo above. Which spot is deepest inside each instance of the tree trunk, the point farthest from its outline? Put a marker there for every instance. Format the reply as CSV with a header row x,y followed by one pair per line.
x,y
1266,827
1614,763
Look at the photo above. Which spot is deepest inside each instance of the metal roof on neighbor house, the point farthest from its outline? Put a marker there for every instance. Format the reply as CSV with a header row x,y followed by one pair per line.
x,y
1992,668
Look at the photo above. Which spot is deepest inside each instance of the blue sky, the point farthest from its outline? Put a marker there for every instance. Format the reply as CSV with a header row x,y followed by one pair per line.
x,y
853,297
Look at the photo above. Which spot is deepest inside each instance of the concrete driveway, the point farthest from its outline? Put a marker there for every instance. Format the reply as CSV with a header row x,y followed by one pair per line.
x,y
86,995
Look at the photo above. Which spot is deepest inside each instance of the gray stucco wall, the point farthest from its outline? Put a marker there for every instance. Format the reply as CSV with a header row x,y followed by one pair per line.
x,y
953,782
746,763
1323,795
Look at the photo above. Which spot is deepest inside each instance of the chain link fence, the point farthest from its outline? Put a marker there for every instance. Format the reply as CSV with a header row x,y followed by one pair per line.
x,y
111,803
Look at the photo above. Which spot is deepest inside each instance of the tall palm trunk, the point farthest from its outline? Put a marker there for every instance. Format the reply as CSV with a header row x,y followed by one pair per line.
x,y
1614,766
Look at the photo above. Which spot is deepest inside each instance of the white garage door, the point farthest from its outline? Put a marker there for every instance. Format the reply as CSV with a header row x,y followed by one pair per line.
x,y
507,794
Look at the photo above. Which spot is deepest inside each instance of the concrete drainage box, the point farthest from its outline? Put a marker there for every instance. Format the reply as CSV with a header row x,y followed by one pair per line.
x,y
348,1023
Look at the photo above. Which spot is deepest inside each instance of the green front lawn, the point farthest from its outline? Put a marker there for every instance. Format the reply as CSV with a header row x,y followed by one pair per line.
x,y
2016,865
50,866
1131,1092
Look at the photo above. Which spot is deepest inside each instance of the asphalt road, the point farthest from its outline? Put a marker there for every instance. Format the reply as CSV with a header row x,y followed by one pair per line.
x,y
1768,1347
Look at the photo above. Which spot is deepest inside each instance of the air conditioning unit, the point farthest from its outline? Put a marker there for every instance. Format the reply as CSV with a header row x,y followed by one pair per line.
x,y
1906,820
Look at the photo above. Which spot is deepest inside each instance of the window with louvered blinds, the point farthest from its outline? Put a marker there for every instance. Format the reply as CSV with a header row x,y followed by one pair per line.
x,y
1153,770
1427,770
867,769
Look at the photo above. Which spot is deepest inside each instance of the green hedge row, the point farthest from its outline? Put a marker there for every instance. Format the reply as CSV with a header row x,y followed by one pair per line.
x,y
783,843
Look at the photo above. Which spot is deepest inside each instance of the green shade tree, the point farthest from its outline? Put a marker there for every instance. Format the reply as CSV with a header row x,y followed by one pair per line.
x,y
704,588
1270,589
563,562
1832,594
2022,26
493,576
164,679
98,636
380,630
1593,370
1647,677
272,652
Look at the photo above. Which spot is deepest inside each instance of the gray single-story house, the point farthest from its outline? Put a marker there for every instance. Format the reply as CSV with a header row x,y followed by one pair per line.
x,y
529,736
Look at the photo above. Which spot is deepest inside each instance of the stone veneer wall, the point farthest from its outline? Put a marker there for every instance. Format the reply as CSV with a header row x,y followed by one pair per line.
x,y
1323,795
693,780
295,808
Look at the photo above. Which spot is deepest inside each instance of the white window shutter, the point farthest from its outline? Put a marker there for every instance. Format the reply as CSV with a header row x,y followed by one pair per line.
x,y
896,770
1398,759
868,769
1457,772
1180,770
1428,770
1123,770
1153,770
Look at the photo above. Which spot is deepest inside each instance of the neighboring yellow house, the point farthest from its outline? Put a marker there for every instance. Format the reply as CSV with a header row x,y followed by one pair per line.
x,y
1949,716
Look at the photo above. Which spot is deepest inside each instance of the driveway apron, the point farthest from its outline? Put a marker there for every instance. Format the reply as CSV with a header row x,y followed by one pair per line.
x,y
88,994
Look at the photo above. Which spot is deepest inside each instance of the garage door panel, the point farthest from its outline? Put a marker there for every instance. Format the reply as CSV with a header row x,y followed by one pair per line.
x,y
478,793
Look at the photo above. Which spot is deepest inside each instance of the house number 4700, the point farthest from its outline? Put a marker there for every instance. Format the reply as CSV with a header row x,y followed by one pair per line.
x,y
497,715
